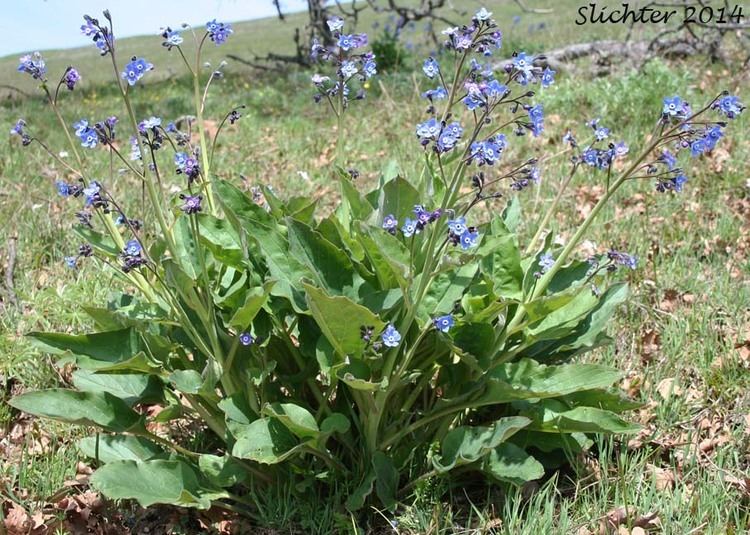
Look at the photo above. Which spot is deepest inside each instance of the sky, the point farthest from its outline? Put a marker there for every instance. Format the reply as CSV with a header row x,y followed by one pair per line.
x,y
28,25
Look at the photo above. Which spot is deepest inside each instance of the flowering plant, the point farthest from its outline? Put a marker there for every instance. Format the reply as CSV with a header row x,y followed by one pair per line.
x,y
403,337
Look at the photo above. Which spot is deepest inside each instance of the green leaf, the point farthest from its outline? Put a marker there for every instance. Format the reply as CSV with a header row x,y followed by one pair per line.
x,y
83,408
331,268
560,313
582,420
397,197
186,381
335,423
152,482
387,255
501,261
386,479
118,448
237,408
266,441
130,387
255,300
445,290
358,376
221,239
186,247
512,464
477,339
265,231
357,498
527,379
512,214
465,445
340,319
356,205
297,419
105,347
221,471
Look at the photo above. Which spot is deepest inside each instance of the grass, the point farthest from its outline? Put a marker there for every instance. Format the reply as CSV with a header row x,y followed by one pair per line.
x,y
675,340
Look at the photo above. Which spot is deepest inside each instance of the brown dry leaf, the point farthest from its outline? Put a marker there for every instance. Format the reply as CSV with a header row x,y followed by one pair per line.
x,y
650,344
638,530
669,301
664,478
743,348
668,387
741,483
17,520
718,157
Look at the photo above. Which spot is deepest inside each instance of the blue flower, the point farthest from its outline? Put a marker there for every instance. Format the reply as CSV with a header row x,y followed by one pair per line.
x,y
88,136
63,188
729,105
219,32
132,248
438,93
601,133
536,114
673,107
149,124
495,89
409,228
546,261
669,159
71,78
391,337
335,24
431,68
422,215
623,259
171,38
346,42
483,15
370,69
678,182
246,339
444,323
712,137
429,129
71,262
524,63
390,223
457,226
473,101
17,129
698,147
135,70
548,77
469,239
489,151
673,184
348,68
33,64
191,203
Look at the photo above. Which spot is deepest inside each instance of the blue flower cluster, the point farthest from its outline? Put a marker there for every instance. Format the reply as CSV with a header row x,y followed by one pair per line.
x,y
489,151
101,35
171,38
34,65
460,234
88,136
218,32
71,78
350,66
443,136
19,130
132,256
135,70
187,165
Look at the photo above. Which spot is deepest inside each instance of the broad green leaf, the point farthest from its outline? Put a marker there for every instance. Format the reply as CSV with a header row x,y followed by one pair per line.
x,y
186,247
397,197
255,300
130,387
266,441
388,256
465,445
610,400
512,464
221,239
264,230
527,379
118,448
357,206
512,214
221,471
386,479
82,408
152,482
186,381
237,408
358,496
358,376
302,208
138,363
477,339
445,290
559,319
297,419
582,420
340,319
501,261
106,347
331,268
335,423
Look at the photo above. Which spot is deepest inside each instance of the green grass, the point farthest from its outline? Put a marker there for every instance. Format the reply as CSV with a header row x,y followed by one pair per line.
x,y
694,244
